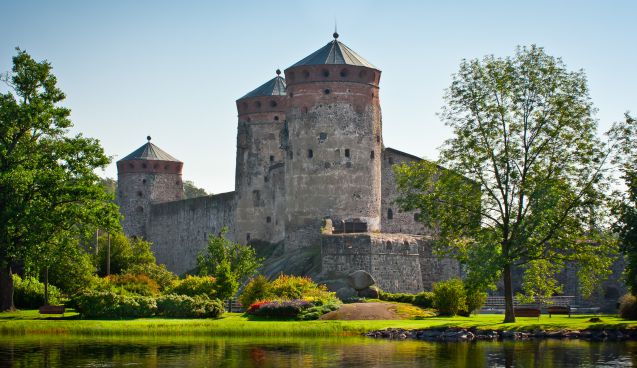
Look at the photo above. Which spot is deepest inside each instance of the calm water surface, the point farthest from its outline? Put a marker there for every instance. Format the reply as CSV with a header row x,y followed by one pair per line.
x,y
54,351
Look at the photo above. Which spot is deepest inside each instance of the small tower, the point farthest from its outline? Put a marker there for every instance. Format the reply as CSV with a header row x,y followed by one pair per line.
x,y
259,168
333,159
146,176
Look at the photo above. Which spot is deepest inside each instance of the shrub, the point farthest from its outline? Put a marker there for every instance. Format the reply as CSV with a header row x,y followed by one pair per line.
x,y
424,299
475,300
449,297
279,309
628,307
258,288
396,297
135,284
107,304
157,273
199,306
294,287
29,292
318,309
193,286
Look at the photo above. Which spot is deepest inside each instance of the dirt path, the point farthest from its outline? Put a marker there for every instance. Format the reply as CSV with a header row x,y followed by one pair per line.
x,y
363,311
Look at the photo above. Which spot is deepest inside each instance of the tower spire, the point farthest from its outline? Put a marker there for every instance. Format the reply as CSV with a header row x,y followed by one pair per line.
x,y
335,30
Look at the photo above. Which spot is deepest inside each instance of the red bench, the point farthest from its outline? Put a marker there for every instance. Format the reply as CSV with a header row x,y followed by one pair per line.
x,y
526,312
52,309
559,309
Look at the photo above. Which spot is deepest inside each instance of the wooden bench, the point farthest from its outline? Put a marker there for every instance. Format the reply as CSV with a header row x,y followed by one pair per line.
x,y
526,312
559,309
52,309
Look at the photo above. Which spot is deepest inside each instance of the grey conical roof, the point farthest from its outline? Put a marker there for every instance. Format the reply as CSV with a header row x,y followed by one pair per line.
x,y
273,87
335,52
149,152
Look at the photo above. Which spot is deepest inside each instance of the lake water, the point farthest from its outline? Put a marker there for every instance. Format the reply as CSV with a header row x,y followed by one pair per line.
x,y
62,351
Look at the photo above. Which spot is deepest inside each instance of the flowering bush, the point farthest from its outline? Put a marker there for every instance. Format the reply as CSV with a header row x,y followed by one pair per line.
x,y
279,308
135,284
193,286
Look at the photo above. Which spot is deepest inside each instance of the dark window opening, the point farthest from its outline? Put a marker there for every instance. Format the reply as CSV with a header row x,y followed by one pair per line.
x,y
406,243
415,217
144,166
205,235
310,153
248,237
326,91
372,94
276,118
131,166
326,73
256,198
347,152
344,73
377,138
268,219
258,104
291,95
306,74
322,136
273,103
304,110
271,158
166,167
390,214
371,155
248,120
140,209
139,193
391,160
143,181
155,166
266,179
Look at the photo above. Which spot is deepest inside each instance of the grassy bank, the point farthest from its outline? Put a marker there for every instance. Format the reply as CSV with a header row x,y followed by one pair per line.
x,y
233,324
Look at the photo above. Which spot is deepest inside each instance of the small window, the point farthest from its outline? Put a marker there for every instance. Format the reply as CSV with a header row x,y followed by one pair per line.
x,y
377,138
248,120
391,160
390,214
273,103
166,167
139,194
276,118
306,74
266,179
304,110
326,91
258,104
268,219
143,181
371,155
248,237
271,158
291,95
326,73
322,136
144,166
310,153
344,73
347,152
131,166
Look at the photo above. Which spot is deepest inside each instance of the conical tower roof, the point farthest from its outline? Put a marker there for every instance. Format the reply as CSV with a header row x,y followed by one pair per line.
x,y
335,52
273,87
149,152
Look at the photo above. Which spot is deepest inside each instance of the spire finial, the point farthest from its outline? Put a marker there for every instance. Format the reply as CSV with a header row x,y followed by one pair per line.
x,y
278,71
335,30
148,138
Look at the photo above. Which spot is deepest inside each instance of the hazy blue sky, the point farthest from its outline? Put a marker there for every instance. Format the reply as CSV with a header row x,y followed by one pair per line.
x,y
173,69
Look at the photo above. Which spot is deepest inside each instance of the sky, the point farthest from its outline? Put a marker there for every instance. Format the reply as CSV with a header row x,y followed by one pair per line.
x,y
173,69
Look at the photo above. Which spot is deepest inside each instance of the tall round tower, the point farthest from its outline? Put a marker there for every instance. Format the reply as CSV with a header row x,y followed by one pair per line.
x,y
148,175
259,168
335,137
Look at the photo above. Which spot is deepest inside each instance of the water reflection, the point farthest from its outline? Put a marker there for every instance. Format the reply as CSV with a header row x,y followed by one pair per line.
x,y
56,351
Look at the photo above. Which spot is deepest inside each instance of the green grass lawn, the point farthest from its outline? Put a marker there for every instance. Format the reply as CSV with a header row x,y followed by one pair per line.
x,y
235,324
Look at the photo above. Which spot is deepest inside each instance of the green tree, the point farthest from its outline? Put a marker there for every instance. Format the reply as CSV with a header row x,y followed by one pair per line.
x,y
126,253
192,191
48,185
525,144
229,262
625,206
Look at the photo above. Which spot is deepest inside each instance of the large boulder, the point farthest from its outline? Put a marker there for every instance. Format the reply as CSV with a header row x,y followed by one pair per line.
x,y
360,279
369,293
345,293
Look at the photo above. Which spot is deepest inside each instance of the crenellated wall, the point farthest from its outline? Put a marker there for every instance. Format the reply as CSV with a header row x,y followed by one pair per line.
x,y
398,262
179,230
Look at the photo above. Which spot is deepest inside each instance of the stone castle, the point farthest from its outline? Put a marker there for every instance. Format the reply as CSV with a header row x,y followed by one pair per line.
x,y
314,185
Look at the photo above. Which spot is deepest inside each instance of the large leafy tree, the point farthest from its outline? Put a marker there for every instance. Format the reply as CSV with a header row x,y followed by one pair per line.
x,y
524,182
625,206
48,186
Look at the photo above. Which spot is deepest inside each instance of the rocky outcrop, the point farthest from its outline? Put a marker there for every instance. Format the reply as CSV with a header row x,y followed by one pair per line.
x,y
472,334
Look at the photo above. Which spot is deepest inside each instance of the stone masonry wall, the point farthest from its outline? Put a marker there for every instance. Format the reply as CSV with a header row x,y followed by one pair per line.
x,y
400,221
179,230
398,262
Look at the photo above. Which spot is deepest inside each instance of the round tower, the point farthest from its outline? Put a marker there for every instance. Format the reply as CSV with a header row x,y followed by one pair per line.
x,y
335,137
259,167
146,176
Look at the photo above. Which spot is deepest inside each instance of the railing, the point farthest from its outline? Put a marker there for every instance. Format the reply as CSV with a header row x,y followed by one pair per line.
x,y
497,302
233,305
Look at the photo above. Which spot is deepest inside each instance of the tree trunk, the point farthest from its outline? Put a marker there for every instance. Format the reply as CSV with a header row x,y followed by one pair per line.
x,y
509,316
46,286
6,289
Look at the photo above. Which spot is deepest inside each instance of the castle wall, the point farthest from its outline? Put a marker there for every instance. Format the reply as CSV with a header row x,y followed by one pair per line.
x,y
258,154
332,166
398,262
401,221
179,230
